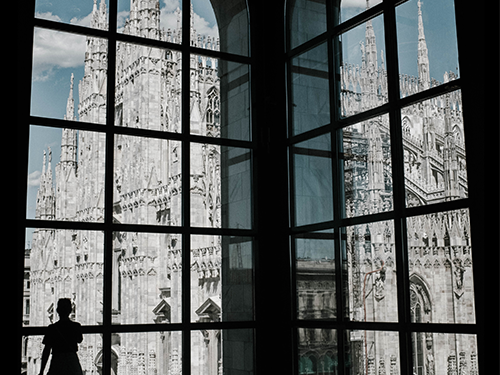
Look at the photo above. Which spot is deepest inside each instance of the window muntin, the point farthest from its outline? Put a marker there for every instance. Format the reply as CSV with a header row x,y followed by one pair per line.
x,y
148,223
413,295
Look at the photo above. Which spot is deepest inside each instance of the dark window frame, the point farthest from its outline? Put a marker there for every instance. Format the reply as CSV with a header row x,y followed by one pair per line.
x,y
275,320
405,327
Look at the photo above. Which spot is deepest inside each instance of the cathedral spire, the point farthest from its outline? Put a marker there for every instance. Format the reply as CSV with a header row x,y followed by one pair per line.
x,y
423,58
45,200
70,105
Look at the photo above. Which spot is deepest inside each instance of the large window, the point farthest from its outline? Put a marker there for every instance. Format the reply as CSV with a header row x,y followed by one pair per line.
x,y
255,186
380,227
139,200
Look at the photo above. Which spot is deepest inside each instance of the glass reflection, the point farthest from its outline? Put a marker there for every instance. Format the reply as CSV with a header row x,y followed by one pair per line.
x,y
223,268
315,275
307,20
440,265
228,351
367,167
310,93
371,275
363,75
434,150
317,351
313,180
220,98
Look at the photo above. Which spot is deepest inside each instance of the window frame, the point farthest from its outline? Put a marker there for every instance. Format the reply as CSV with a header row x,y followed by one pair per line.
x,y
109,226
404,326
275,322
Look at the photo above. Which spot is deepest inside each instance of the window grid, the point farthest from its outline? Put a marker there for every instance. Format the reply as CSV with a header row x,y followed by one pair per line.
x,y
108,227
404,326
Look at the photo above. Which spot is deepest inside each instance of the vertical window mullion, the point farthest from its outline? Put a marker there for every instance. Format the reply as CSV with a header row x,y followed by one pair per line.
x,y
185,183
398,186
108,183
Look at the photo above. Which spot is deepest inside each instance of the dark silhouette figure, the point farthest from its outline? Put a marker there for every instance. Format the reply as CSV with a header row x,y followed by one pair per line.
x,y
62,339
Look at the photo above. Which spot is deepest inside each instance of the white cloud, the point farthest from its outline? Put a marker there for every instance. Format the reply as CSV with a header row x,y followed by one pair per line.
x,y
171,5
53,49
34,178
203,27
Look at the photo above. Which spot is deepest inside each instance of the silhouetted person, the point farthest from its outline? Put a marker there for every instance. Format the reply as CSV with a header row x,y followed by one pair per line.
x,y
62,338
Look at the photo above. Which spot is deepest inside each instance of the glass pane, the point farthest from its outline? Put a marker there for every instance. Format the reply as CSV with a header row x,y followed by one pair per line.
x,y
440,265
228,21
235,187
317,351
148,88
58,264
147,278
307,20
313,180
371,272
427,44
75,12
146,353
66,183
444,353
222,278
315,275
227,351
372,352
89,354
351,8
153,19
434,150
363,76
58,59
147,181
367,167
220,98
310,92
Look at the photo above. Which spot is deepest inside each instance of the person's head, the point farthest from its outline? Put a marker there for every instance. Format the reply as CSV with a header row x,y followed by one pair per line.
x,y
64,307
